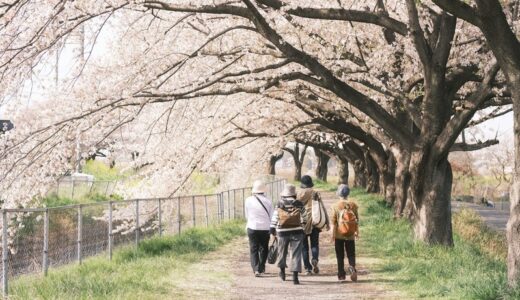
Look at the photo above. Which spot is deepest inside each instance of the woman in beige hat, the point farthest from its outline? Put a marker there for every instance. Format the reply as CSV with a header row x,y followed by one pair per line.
x,y
287,224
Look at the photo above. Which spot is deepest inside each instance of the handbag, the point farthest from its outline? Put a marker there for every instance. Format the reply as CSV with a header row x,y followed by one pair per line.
x,y
272,254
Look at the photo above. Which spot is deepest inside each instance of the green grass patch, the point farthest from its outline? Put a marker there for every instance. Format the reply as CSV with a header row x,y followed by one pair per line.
x,y
101,171
470,226
466,271
320,185
53,200
152,271
203,183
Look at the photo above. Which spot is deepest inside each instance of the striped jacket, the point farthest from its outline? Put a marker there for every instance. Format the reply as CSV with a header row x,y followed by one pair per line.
x,y
288,203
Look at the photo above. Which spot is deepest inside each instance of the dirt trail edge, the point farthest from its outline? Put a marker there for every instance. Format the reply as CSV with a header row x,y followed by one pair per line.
x,y
324,285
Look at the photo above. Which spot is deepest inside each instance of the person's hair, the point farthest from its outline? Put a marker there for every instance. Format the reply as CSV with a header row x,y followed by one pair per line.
x,y
343,191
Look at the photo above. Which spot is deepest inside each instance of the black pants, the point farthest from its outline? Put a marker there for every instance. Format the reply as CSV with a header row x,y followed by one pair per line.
x,y
342,247
258,248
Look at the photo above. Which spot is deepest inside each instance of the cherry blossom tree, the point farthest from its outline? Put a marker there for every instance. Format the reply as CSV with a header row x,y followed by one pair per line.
x,y
200,76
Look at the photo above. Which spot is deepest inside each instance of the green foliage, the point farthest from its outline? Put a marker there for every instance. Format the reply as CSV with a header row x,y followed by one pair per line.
x,y
465,271
202,183
102,172
54,201
471,228
144,273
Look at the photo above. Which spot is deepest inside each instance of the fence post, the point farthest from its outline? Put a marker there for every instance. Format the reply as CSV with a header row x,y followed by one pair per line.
x,y
106,190
218,208
91,187
244,203
4,254
46,242
73,187
206,210
80,232
179,214
159,212
193,217
110,235
229,204
234,204
137,222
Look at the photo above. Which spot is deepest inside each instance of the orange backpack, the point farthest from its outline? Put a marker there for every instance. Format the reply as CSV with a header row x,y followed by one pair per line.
x,y
347,221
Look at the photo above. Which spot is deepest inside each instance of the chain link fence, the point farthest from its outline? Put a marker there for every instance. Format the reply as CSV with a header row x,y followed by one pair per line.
x,y
35,239
77,188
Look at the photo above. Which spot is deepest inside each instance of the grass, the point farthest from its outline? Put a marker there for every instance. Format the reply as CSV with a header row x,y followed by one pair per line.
x,y
54,201
152,271
467,271
321,185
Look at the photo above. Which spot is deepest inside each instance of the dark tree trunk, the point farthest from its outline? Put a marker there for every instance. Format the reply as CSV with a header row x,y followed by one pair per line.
x,y
322,166
297,171
360,175
402,183
298,160
506,47
342,170
271,164
387,180
430,184
513,224
373,174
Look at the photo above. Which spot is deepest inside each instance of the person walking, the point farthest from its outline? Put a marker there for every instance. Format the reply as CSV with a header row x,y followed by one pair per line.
x,y
287,225
345,230
258,212
309,197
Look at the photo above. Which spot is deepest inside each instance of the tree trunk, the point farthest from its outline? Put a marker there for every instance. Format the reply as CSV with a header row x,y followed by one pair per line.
x,y
297,171
298,159
431,181
373,175
342,170
322,166
513,224
387,180
360,175
402,183
271,164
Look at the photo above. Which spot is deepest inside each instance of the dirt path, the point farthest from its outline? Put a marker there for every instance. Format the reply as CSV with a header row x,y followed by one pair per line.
x,y
239,282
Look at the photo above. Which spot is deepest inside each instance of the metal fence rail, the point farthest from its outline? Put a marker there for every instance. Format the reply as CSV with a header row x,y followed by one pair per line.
x,y
50,237
77,188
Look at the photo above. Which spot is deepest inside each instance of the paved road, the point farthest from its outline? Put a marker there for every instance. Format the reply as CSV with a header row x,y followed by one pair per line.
x,y
495,218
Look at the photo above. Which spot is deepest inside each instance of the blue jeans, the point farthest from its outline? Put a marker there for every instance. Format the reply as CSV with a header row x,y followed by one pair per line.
x,y
315,247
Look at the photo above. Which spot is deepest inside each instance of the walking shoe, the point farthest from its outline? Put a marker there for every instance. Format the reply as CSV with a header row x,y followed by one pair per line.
x,y
295,278
257,274
308,273
353,273
341,277
281,274
315,268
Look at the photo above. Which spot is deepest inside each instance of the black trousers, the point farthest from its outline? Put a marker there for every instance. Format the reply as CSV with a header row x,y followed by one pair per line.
x,y
258,248
342,247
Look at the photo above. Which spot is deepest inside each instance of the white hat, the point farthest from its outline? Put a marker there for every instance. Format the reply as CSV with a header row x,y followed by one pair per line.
x,y
258,187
